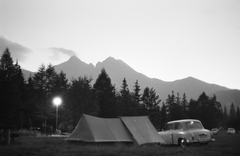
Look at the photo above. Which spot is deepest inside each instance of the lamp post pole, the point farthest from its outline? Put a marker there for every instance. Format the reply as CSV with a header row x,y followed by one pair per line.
x,y
57,101
56,116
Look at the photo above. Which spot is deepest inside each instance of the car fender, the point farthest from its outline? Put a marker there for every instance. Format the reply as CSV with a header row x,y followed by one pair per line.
x,y
179,135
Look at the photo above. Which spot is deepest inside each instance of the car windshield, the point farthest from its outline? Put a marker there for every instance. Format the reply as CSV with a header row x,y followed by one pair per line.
x,y
193,125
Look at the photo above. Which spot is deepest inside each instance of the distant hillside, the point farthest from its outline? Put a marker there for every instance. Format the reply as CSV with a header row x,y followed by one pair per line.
x,y
192,87
227,97
27,73
118,70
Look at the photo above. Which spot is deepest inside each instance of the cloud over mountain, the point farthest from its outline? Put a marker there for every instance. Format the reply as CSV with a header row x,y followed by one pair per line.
x,y
57,51
17,50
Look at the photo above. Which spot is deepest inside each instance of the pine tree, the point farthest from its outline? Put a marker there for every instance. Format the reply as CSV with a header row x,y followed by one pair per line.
x,y
207,109
106,95
184,104
125,95
80,99
11,91
61,84
151,102
136,91
145,102
137,97
60,89
238,113
194,109
174,108
30,103
225,114
178,100
237,121
163,116
51,77
44,82
127,103
232,112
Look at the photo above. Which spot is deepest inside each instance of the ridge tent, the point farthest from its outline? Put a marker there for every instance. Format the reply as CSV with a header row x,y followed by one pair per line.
x,y
123,129
142,130
94,129
221,131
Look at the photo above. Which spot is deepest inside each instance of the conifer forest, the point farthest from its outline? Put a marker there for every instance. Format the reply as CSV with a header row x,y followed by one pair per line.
x,y
28,103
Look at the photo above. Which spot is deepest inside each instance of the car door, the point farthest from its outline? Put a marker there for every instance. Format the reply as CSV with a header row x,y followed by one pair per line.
x,y
167,135
176,132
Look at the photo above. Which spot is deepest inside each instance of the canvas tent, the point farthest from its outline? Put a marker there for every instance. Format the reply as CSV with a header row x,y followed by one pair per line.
x,y
221,131
94,129
142,130
123,129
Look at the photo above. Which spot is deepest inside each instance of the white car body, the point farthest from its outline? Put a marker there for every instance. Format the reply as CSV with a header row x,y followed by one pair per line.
x,y
214,131
231,131
187,131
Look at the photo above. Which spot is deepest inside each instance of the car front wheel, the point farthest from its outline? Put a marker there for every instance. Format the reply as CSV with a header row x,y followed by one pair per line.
x,y
182,142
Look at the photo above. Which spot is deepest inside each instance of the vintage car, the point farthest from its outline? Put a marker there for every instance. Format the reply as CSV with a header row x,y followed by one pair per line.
x,y
231,131
214,131
184,132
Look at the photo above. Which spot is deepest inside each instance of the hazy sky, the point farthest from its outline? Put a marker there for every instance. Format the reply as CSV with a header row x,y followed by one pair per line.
x,y
165,39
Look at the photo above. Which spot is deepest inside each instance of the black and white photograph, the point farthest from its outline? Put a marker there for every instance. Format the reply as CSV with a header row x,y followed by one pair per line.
x,y
119,77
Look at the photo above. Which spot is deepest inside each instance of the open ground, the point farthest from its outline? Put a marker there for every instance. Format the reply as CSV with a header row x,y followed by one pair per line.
x,y
228,145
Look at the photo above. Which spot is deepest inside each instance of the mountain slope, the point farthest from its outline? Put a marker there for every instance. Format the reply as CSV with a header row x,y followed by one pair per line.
x,y
118,70
74,68
27,74
227,97
194,87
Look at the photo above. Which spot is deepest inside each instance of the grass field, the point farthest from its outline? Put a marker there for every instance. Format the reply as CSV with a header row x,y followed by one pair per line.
x,y
49,146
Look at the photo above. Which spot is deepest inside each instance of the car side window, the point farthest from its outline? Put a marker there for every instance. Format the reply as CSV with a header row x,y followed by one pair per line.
x,y
177,126
169,126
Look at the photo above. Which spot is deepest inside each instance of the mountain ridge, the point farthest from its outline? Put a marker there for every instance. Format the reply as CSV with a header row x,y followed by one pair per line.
x,y
118,70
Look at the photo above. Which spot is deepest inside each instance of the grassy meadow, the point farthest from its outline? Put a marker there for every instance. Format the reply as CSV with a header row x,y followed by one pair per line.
x,y
55,146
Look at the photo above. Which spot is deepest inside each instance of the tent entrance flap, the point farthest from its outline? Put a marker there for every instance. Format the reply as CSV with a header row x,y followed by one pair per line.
x,y
142,130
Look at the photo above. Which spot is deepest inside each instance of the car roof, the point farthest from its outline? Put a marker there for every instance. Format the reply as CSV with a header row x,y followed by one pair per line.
x,y
183,120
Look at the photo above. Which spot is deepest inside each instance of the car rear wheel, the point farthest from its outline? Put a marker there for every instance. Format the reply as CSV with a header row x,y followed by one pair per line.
x,y
182,142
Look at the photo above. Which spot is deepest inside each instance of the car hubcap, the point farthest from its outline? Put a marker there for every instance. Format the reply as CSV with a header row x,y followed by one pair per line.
x,y
183,143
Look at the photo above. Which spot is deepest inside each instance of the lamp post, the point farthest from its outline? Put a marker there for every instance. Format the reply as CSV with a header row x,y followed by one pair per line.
x,y
57,101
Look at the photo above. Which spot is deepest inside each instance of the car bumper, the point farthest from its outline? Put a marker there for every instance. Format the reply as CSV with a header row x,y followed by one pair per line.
x,y
200,141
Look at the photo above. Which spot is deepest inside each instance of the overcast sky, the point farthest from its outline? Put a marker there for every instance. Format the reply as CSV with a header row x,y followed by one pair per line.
x,y
164,39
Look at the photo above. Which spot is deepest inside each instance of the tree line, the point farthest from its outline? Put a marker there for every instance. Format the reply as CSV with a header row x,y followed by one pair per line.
x,y
28,103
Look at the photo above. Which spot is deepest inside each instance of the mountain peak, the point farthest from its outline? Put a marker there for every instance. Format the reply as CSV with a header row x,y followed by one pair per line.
x,y
110,59
115,63
118,70
74,58
190,78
